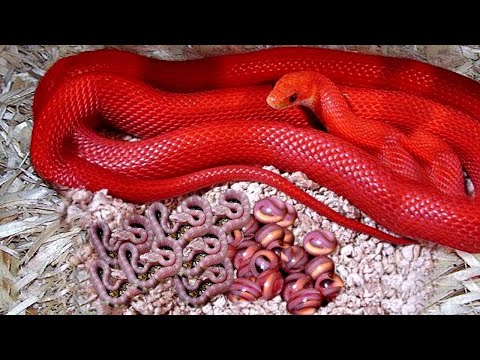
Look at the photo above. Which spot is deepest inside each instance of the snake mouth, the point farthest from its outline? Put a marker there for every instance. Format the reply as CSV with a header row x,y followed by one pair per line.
x,y
273,102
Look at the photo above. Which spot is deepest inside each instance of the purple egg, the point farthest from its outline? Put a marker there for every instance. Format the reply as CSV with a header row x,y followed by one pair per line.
x,y
250,230
271,233
271,282
245,251
305,302
262,261
270,210
294,283
319,265
330,285
320,242
293,259
290,216
244,290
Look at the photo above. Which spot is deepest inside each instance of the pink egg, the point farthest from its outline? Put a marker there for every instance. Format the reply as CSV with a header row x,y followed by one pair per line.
x,y
330,285
290,216
270,235
244,290
320,242
293,259
245,251
235,238
270,210
262,261
271,282
319,265
294,283
251,228
305,302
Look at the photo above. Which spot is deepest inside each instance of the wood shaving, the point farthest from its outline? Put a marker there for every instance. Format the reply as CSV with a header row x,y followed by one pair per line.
x,y
43,245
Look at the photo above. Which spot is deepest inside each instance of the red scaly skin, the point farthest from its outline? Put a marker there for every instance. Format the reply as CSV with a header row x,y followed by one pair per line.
x,y
414,153
192,141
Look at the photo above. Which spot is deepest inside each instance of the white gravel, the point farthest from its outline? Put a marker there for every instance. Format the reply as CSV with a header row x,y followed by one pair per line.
x,y
380,278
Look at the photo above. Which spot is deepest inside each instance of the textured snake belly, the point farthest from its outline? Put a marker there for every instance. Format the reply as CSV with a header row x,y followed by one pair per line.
x,y
193,138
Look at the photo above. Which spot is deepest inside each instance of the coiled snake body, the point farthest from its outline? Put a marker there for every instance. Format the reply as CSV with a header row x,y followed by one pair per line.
x,y
205,122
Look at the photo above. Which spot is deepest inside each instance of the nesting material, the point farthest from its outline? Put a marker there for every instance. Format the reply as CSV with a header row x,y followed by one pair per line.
x,y
44,248
379,278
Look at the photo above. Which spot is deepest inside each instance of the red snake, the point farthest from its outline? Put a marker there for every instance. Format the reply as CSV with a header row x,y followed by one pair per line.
x,y
205,122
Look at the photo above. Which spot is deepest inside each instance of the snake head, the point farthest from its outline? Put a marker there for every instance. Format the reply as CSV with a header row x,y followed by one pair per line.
x,y
293,89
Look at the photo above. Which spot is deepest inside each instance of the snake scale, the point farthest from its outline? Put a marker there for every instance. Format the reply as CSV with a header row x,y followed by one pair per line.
x,y
205,122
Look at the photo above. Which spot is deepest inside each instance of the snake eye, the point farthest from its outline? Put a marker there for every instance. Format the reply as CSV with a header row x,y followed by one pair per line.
x,y
293,97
